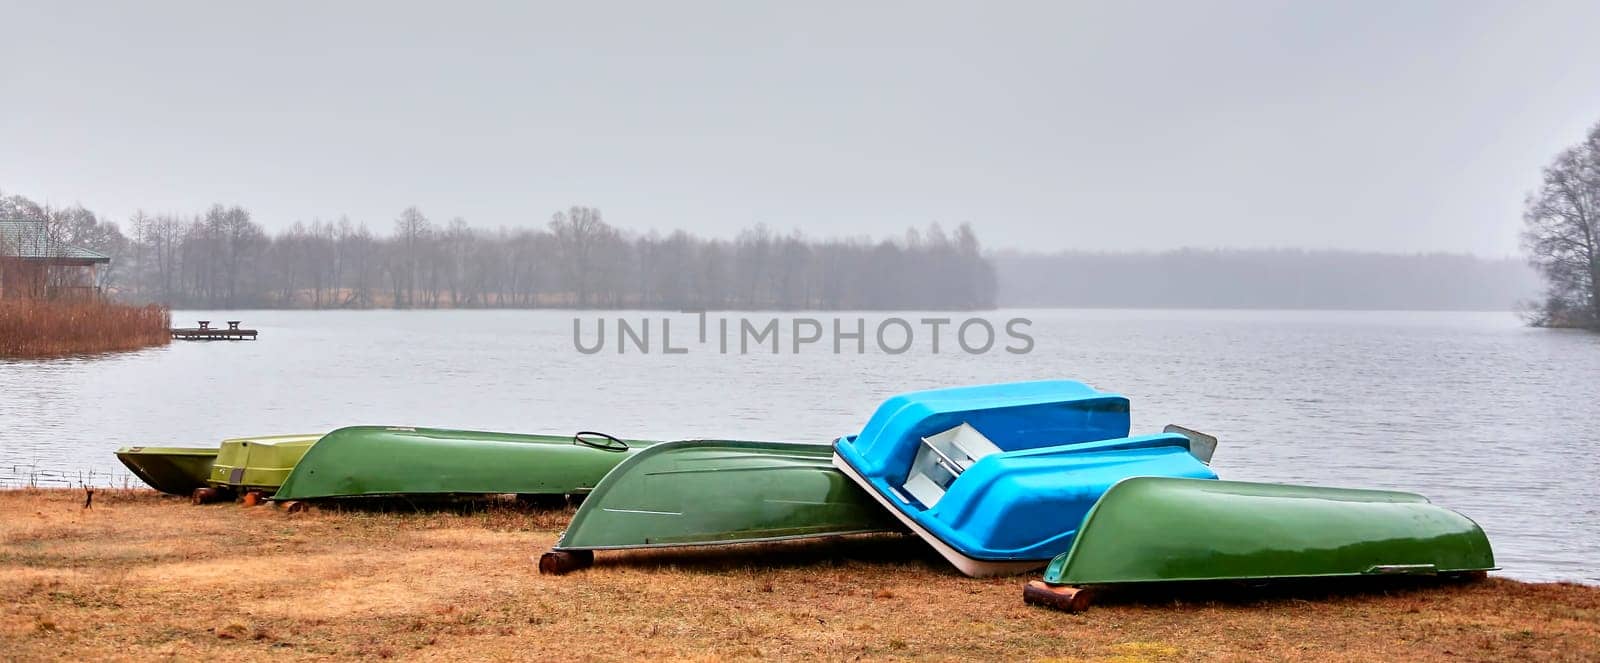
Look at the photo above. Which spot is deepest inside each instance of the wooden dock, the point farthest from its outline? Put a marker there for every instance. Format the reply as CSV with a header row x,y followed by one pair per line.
x,y
205,332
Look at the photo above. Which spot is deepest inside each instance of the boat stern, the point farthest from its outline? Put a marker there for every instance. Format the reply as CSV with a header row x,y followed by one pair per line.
x,y
261,462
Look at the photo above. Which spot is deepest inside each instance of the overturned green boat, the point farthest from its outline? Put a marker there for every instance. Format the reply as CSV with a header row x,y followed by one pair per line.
x,y
698,492
1154,530
709,492
171,470
367,461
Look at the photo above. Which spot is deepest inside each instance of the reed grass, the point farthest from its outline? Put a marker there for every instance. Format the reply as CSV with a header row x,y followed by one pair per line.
x,y
34,328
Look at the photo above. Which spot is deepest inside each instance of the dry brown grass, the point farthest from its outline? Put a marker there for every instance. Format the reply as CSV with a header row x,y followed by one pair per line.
x,y
30,328
143,577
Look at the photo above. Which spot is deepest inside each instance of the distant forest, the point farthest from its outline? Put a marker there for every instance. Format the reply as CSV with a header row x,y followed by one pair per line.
x,y
223,259
1256,279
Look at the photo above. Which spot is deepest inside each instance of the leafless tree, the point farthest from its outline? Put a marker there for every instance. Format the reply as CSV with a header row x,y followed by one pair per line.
x,y
411,234
583,241
160,237
1562,236
239,243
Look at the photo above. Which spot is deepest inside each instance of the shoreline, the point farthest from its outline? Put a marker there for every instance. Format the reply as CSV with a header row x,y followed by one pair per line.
x,y
143,575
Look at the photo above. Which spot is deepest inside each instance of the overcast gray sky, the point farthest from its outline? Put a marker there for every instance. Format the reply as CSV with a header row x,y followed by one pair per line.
x,y
1111,125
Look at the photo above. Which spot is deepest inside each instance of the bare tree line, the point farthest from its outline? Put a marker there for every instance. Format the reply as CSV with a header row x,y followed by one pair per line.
x,y
224,259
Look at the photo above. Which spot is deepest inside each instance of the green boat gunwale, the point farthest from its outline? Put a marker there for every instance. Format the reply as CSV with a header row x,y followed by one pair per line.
x,y
173,451
728,542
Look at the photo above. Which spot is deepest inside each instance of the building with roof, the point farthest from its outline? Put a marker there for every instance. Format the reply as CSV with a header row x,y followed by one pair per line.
x,y
34,265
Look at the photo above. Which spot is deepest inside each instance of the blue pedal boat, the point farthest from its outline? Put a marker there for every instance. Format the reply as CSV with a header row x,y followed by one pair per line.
x,y
998,478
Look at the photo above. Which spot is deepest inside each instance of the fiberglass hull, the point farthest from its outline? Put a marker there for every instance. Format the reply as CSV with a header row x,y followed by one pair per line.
x,y
997,478
171,470
364,461
708,492
1152,529
258,463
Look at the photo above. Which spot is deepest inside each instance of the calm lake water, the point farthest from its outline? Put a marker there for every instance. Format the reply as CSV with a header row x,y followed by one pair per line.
x,y
1471,409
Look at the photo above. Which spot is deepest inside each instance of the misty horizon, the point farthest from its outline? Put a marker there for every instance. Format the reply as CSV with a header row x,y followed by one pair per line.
x,y
381,227
1249,125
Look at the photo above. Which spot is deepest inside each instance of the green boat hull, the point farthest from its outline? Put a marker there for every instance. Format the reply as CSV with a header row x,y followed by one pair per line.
x,y
705,492
364,461
171,470
1151,529
258,463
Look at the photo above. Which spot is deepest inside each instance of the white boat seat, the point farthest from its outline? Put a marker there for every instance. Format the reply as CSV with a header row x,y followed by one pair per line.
x,y
943,457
